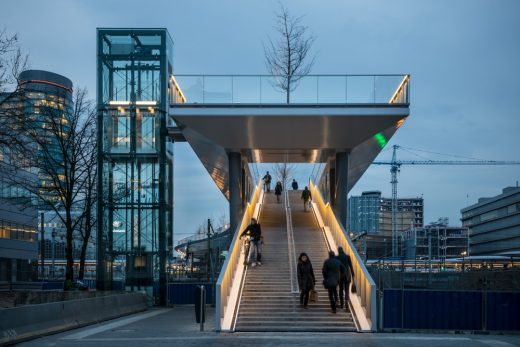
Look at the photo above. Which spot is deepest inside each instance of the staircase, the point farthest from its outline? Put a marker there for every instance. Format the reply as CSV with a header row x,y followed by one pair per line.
x,y
267,303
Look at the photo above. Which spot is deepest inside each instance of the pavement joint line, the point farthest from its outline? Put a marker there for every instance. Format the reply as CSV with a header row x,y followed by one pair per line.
x,y
98,329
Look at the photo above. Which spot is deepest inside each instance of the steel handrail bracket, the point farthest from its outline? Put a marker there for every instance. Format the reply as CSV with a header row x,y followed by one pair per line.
x,y
230,280
364,300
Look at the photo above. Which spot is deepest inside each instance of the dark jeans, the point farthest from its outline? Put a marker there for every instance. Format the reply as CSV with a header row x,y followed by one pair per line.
x,y
343,288
304,296
333,297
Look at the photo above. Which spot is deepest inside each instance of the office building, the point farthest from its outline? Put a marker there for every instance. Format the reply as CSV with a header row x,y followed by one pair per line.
x,y
436,241
494,224
372,213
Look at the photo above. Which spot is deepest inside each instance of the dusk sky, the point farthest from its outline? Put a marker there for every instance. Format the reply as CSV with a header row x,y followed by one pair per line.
x,y
463,57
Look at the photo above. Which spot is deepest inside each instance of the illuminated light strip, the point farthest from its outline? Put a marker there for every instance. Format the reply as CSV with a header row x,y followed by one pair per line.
x,y
399,89
178,88
47,82
126,102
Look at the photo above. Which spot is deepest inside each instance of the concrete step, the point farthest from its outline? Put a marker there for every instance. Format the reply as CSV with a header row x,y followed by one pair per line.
x,y
267,303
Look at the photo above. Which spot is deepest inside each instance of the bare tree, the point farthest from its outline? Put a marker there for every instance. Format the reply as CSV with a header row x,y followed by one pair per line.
x,y
89,194
60,149
12,62
283,171
286,58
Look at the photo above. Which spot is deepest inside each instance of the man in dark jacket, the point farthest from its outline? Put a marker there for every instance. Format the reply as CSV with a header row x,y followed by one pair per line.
x,y
267,182
306,197
344,281
294,184
332,271
255,231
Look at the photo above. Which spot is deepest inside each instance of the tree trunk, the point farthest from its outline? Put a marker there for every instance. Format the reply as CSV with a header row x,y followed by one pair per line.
x,y
69,254
82,257
289,90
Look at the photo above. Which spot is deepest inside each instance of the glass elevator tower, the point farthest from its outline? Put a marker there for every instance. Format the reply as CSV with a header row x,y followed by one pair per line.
x,y
135,171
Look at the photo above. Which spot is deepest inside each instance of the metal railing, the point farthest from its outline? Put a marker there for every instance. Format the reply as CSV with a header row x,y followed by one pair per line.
x,y
290,245
230,278
308,89
365,285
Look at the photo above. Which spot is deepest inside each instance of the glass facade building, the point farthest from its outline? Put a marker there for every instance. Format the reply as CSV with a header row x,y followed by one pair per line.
x,y
135,86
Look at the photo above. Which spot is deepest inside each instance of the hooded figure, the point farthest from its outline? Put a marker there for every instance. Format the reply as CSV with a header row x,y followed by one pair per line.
x,y
306,279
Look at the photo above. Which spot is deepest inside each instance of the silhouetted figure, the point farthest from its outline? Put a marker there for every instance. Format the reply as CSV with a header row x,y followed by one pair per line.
x,y
278,190
306,197
306,279
332,271
294,184
346,278
267,182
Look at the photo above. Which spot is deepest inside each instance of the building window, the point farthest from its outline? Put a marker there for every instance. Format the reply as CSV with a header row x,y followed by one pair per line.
x,y
489,215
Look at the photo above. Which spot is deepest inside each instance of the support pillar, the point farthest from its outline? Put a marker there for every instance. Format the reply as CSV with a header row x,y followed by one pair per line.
x,y
332,186
341,187
235,200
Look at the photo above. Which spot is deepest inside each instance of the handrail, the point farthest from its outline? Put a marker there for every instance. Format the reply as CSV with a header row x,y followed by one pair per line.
x,y
382,89
230,278
290,245
366,288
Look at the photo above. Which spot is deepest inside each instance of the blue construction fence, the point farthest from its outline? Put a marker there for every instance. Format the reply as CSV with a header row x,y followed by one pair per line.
x,y
181,293
91,283
451,310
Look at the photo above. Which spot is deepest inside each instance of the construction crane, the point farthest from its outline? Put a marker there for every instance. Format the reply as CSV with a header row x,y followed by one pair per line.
x,y
395,167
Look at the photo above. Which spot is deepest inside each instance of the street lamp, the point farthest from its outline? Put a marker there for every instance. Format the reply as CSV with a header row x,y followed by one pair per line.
x,y
464,253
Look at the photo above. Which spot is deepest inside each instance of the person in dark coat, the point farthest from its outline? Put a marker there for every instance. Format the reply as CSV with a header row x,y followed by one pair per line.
x,y
306,197
278,190
306,279
255,231
267,182
332,271
344,281
294,184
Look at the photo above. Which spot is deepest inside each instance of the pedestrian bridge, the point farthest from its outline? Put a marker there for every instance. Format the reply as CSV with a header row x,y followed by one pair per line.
x,y
341,122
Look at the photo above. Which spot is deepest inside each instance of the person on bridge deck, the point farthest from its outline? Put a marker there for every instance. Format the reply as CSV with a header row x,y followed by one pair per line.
x,y
255,232
278,190
306,197
347,276
306,279
332,271
294,184
267,182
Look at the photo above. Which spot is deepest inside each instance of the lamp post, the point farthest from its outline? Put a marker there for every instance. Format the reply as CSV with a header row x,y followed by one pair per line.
x,y
53,250
464,253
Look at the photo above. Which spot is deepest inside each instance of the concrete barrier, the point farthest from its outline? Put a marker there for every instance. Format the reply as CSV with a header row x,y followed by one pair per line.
x,y
28,322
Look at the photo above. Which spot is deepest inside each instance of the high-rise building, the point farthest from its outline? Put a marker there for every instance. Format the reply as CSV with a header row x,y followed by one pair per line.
x,y
364,212
43,95
372,213
39,96
494,224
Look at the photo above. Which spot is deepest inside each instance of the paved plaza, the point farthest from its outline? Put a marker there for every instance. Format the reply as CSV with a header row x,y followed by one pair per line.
x,y
177,327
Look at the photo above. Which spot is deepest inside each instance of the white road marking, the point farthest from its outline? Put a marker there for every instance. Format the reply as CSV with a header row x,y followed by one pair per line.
x,y
119,323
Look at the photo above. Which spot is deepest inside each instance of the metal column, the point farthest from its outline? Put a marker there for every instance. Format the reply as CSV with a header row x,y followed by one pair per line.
x,y
235,201
341,187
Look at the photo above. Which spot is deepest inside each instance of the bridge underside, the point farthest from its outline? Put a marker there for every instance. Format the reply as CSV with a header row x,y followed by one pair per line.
x,y
287,133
